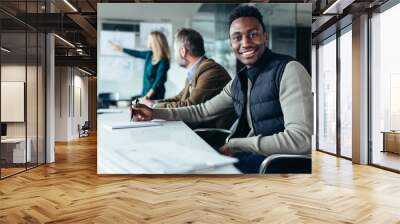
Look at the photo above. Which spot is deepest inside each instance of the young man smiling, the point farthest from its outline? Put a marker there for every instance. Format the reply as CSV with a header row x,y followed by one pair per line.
x,y
271,96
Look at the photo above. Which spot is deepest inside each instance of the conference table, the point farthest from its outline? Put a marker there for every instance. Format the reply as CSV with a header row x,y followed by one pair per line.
x,y
170,147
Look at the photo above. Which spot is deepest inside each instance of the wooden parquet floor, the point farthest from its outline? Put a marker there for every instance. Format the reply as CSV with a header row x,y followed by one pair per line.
x,y
70,191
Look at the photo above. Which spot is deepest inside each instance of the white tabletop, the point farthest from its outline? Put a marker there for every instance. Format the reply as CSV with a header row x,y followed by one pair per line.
x,y
119,151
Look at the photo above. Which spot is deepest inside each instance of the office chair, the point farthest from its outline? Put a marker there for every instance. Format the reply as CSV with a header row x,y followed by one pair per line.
x,y
215,137
272,164
105,100
84,130
286,163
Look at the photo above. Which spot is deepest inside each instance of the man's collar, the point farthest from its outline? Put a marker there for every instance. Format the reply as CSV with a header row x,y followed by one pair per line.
x,y
192,69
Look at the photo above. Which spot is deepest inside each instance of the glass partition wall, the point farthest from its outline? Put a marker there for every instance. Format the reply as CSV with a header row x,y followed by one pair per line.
x,y
385,89
334,94
334,91
327,95
22,77
345,65
13,88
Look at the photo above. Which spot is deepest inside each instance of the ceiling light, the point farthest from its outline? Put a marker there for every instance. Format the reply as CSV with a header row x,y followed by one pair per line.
x,y
337,7
84,71
332,9
70,5
64,40
5,50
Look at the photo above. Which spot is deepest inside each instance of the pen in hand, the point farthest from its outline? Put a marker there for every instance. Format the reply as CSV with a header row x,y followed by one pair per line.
x,y
136,102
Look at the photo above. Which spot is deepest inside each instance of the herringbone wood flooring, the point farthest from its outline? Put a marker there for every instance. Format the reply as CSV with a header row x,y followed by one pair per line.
x,y
70,191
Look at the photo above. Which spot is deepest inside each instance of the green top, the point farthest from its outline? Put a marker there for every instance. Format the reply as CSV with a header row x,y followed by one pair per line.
x,y
154,76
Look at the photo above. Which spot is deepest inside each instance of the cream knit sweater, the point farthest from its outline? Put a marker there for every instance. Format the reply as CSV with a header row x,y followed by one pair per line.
x,y
296,101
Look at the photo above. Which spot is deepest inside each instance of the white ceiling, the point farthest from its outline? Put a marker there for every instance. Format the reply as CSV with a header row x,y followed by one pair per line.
x,y
147,11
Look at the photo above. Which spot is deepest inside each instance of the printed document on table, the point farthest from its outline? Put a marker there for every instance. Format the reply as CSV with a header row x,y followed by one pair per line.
x,y
132,124
109,111
164,157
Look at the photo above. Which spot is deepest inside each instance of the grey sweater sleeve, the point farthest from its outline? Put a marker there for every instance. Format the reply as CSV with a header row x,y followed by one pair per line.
x,y
297,106
208,110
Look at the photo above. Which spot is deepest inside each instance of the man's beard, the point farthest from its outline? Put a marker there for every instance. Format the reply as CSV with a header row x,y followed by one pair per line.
x,y
181,61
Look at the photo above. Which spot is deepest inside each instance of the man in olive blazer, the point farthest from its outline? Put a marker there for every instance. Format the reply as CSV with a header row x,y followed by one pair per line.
x,y
205,77
208,79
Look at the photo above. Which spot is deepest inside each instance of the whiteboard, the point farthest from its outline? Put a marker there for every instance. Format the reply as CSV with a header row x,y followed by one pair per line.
x,y
116,68
114,65
146,28
12,101
124,39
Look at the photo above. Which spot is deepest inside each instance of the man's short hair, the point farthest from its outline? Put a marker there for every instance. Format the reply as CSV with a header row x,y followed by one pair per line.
x,y
191,40
246,11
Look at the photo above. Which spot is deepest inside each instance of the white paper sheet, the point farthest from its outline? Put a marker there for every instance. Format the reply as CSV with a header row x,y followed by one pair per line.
x,y
170,158
133,124
108,111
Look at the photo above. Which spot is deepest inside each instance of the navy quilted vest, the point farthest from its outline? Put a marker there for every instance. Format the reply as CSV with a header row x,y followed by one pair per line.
x,y
265,108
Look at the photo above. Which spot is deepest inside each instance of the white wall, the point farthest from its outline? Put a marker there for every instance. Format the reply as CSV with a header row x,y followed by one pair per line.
x,y
79,117
61,103
70,83
176,74
50,93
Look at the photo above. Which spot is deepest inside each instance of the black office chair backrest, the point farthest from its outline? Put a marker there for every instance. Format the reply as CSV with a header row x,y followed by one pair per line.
x,y
213,136
86,125
109,96
105,100
3,129
282,163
